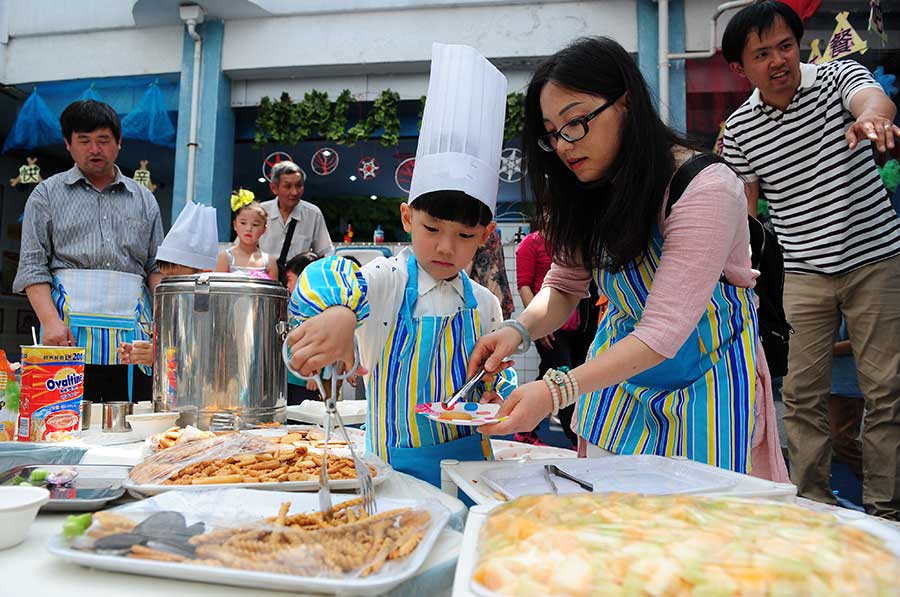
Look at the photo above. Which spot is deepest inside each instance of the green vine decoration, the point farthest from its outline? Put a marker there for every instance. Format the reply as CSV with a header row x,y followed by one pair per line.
x,y
336,126
278,122
383,114
515,115
285,122
421,112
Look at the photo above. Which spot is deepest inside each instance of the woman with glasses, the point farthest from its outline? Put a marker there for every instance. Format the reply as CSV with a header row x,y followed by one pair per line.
x,y
675,367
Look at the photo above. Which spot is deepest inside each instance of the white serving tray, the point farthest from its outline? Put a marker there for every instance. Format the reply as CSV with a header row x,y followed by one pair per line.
x,y
509,450
469,477
468,555
246,505
353,412
647,475
382,469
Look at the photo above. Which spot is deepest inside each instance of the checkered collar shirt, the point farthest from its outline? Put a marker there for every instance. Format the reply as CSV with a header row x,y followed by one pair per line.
x,y
71,224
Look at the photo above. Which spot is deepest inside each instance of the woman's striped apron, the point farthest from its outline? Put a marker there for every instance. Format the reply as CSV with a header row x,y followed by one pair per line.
x,y
698,404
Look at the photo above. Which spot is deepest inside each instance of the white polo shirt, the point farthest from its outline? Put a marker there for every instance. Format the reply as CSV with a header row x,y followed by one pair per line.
x,y
386,279
310,234
831,212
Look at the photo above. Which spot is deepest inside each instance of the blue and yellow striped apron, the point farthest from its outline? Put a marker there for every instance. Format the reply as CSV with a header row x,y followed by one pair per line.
x,y
698,404
103,309
424,359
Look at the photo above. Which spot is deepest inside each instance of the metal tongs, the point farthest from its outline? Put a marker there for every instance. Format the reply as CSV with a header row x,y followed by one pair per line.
x,y
552,469
466,389
366,485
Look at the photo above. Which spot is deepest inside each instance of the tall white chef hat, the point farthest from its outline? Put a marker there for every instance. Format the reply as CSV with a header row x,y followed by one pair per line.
x,y
193,240
462,127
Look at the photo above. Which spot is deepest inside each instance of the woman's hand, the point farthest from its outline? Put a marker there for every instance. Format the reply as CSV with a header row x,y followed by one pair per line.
x,y
525,408
491,350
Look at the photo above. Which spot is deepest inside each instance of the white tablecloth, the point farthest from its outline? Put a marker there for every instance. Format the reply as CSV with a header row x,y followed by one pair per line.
x,y
29,567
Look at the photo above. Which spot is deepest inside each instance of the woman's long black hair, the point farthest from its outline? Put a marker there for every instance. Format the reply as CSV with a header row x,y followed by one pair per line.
x,y
618,213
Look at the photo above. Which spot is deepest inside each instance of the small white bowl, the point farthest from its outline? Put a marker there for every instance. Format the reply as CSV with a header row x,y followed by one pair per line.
x,y
147,424
18,507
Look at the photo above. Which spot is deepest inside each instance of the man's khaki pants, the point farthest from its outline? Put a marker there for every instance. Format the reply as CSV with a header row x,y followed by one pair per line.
x,y
869,298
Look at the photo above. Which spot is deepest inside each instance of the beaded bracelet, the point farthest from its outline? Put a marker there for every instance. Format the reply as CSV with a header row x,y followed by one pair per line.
x,y
576,391
556,381
564,388
554,392
570,390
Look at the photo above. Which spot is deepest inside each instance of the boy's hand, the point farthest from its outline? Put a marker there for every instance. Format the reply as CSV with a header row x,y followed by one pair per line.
x,y
324,340
138,353
125,349
490,398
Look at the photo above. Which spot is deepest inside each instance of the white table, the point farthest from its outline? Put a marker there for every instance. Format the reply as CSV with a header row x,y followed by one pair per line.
x,y
29,565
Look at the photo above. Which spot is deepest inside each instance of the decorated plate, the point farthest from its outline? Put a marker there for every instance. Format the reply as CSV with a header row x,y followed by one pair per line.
x,y
469,414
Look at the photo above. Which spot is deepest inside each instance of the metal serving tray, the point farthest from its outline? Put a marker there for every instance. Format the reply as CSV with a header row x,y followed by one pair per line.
x,y
95,485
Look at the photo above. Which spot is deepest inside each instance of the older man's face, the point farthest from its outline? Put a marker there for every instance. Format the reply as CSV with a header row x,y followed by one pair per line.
x,y
289,190
95,152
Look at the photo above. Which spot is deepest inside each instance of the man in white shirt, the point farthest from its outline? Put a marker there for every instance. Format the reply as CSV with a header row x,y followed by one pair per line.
x,y
294,226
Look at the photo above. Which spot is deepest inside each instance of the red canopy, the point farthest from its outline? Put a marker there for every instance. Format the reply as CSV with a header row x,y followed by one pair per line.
x,y
804,8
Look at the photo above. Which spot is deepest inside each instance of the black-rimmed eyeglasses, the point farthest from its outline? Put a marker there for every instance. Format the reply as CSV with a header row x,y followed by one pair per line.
x,y
572,131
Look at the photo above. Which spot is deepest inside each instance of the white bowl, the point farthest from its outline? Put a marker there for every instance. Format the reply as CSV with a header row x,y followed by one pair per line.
x,y
147,424
18,507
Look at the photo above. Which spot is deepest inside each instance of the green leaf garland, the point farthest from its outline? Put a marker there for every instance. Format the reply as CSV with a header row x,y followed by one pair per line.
x,y
285,122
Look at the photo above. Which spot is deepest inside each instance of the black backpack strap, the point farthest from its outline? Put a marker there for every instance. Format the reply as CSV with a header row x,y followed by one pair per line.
x,y
686,173
757,241
285,247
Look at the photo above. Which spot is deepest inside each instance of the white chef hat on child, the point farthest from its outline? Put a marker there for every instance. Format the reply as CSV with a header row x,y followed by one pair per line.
x,y
462,127
193,240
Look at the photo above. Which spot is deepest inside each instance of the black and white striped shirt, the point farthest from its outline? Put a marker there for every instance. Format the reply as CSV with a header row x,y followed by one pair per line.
x,y
70,224
831,212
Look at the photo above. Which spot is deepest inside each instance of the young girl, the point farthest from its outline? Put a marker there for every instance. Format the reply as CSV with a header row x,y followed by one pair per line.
x,y
245,256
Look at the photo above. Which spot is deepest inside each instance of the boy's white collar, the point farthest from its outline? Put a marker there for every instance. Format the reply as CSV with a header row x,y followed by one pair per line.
x,y
427,283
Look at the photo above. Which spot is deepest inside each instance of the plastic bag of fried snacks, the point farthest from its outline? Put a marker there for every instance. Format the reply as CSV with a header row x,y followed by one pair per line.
x,y
238,458
166,463
231,529
176,435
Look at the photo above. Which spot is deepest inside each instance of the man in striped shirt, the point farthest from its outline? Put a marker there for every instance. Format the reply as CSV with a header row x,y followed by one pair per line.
x,y
88,255
805,139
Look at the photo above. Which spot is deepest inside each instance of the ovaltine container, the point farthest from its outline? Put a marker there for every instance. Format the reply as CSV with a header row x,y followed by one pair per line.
x,y
52,387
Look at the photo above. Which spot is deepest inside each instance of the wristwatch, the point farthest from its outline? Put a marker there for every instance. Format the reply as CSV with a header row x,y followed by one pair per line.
x,y
526,337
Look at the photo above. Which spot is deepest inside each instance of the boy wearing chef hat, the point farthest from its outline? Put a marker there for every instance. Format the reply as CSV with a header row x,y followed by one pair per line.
x,y
190,247
418,315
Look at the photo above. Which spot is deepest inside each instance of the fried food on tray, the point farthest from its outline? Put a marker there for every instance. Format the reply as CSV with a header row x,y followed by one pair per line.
x,y
238,458
174,435
626,544
344,540
291,464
